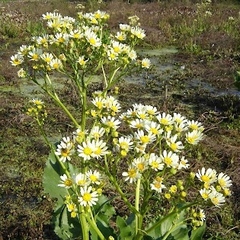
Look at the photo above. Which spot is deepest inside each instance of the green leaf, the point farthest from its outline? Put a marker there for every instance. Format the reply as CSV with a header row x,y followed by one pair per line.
x,y
66,227
51,178
197,234
167,224
126,232
103,209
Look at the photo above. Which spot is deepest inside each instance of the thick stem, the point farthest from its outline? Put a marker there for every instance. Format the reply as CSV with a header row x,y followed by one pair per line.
x,y
95,227
137,198
60,104
84,225
84,107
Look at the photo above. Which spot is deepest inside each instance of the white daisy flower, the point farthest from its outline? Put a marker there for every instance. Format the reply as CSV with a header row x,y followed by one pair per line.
x,y
170,159
176,146
205,193
146,63
65,149
140,163
165,119
216,198
207,176
224,181
97,132
132,174
92,38
86,150
81,180
157,185
99,148
94,177
65,182
194,137
155,162
111,122
183,163
195,125
144,138
153,128
88,197
138,32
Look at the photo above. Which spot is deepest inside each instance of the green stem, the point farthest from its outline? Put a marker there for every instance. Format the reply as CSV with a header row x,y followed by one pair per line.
x,y
60,104
84,225
118,189
84,107
137,198
95,227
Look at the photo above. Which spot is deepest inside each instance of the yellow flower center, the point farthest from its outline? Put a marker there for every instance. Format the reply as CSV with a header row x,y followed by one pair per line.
x,y
65,152
35,57
145,139
154,131
92,41
205,178
164,121
132,173
140,166
68,182
222,182
168,160
87,197
154,164
87,151
93,178
173,146
98,151
215,200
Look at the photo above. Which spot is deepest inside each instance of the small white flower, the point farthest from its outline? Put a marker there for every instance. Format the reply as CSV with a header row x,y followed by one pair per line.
x,y
93,177
224,181
132,174
140,163
170,159
176,146
194,137
144,138
65,181
111,122
216,198
16,59
155,162
65,149
165,119
92,38
183,163
81,180
207,176
146,63
88,197
157,185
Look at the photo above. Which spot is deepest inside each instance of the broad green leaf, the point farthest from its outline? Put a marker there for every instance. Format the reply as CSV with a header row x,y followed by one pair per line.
x,y
65,226
180,228
197,234
51,178
126,232
167,224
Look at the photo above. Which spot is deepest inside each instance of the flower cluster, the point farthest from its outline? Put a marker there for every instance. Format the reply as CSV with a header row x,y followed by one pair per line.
x,y
37,110
84,41
153,149
86,187
215,186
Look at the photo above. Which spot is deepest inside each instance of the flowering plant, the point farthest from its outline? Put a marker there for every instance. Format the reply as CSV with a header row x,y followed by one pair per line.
x,y
138,154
